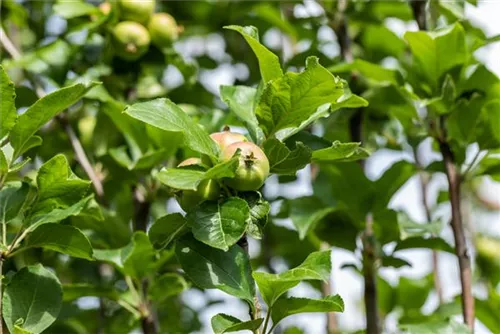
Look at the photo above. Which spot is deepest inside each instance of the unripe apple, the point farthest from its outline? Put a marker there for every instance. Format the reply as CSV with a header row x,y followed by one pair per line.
x,y
163,29
226,138
105,8
208,190
131,40
253,167
136,10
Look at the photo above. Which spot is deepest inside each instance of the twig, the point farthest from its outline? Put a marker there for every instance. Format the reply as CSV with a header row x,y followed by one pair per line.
x,y
75,142
418,7
471,165
464,264
424,185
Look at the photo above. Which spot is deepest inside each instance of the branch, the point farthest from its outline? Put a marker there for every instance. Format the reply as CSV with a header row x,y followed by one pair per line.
x,y
418,7
75,142
453,177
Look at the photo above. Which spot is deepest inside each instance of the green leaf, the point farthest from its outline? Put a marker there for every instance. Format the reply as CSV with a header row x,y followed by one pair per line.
x,y
136,259
8,113
241,101
165,286
138,256
428,243
34,295
428,49
57,215
186,178
12,198
166,115
259,212
286,306
488,130
435,327
224,323
373,72
64,239
391,181
412,293
316,266
293,98
211,268
4,164
42,111
58,186
19,330
269,63
284,161
220,225
167,228
462,122
78,290
306,212
339,152
69,10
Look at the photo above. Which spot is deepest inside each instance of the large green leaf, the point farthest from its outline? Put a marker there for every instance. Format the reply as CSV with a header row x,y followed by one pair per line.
x,y
211,268
220,224
259,212
166,115
165,286
412,293
241,101
32,299
57,215
12,198
58,187
69,10
373,72
488,129
42,111
165,229
306,212
224,323
391,181
136,259
269,63
64,239
435,327
77,290
286,306
339,152
316,266
186,178
437,52
421,242
284,161
291,99
8,113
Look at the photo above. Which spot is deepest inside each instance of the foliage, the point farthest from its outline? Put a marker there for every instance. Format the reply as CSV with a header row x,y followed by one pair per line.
x,y
94,121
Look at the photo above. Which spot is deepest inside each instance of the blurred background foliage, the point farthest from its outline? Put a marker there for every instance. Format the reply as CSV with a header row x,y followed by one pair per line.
x,y
62,41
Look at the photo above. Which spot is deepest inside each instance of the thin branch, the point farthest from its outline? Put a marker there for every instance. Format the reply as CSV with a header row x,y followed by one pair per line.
x,y
75,142
418,7
464,262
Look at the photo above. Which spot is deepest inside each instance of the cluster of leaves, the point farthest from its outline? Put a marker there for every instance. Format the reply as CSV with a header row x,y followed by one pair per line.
x,y
124,247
